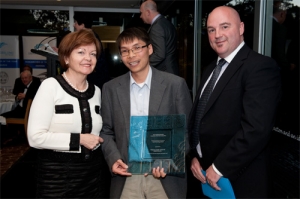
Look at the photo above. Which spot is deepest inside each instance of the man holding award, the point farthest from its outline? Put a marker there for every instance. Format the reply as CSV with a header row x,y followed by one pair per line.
x,y
143,92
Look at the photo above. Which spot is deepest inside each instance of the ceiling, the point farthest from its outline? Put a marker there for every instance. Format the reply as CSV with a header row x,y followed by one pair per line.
x,y
112,6
125,4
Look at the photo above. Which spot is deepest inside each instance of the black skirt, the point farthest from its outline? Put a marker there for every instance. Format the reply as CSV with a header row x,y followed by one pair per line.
x,y
70,175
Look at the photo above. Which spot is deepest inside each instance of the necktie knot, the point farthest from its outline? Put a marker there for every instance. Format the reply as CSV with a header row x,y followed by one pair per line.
x,y
221,62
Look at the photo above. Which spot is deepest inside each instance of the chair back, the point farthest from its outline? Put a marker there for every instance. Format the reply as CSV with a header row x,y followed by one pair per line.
x,y
23,121
27,114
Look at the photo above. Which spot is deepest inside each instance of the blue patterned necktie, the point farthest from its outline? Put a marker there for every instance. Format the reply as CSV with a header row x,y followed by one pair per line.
x,y
203,101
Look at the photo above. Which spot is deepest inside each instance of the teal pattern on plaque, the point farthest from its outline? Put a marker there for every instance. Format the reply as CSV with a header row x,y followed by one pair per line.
x,y
157,141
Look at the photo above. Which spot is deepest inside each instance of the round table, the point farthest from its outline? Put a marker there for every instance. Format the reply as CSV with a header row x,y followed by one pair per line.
x,y
5,106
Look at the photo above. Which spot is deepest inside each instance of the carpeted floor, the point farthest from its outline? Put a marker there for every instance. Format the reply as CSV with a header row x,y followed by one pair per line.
x,y
18,165
11,153
17,168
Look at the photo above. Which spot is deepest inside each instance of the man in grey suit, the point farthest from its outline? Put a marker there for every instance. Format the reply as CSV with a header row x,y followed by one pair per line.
x,y
163,39
142,91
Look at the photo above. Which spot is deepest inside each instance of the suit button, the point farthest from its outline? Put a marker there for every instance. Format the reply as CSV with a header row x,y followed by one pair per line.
x,y
85,109
87,157
87,125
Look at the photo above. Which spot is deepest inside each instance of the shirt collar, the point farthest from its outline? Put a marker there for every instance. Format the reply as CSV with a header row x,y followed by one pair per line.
x,y
154,19
230,57
28,84
147,82
275,18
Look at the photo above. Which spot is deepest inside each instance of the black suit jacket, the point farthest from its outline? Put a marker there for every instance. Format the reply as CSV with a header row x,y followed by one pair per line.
x,y
279,37
19,86
19,112
238,121
164,41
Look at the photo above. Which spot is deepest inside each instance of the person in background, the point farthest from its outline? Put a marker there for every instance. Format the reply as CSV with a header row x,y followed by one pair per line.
x,y
26,91
19,86
290,116
279,43
279,36
163,38
65,122
281,53
142,91
101,73
231,136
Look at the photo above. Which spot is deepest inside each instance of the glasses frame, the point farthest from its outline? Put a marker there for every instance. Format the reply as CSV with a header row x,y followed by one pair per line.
x,y
132,50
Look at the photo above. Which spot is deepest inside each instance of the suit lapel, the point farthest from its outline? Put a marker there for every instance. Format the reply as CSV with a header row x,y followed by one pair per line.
x,y
123,93
231,69
156,92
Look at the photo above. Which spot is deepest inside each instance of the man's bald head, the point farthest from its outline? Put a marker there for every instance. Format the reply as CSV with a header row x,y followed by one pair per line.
x,y
225,30
148,11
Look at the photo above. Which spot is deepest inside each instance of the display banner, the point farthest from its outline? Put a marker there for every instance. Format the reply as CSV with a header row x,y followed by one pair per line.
x,y
37,62
9,61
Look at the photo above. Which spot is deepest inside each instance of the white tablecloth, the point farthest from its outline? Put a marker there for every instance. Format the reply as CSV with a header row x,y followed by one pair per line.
x,y
6,103
5,106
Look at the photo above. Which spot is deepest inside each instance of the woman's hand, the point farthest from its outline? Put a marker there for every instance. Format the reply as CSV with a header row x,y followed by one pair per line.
x,y
90,141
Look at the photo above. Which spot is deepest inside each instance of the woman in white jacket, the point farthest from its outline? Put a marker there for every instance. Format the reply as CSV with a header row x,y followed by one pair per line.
x,y
65,123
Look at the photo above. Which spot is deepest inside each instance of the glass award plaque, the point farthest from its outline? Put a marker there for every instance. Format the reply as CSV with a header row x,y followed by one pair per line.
x,y
157,141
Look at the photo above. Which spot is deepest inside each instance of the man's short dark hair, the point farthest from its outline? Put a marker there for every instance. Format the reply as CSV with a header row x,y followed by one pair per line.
x,y
278,6
132,33
26,66
83,18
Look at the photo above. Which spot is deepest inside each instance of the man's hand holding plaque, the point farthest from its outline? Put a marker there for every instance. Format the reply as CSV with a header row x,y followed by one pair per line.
x,y
157,173
157,145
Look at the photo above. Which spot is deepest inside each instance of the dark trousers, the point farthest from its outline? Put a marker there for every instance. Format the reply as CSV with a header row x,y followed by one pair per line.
x,y
18,112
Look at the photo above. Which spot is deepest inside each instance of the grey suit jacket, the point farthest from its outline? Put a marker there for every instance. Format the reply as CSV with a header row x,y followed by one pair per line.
x,y
169,95
164,41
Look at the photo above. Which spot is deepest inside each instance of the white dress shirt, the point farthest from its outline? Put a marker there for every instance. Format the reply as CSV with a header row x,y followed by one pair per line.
x,y
139,96
25,91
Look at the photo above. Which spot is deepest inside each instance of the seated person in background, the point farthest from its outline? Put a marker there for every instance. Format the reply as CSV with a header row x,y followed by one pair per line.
x,y
30,88
19,85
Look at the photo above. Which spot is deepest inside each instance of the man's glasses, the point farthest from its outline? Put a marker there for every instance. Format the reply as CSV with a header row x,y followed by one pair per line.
x,y
136,49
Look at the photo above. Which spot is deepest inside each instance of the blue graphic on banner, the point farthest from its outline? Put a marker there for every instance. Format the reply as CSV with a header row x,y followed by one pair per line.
x,y
42,64
9,63
2,44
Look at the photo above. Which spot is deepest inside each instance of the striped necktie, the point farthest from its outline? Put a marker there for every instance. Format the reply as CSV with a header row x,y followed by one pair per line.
x,y
203,101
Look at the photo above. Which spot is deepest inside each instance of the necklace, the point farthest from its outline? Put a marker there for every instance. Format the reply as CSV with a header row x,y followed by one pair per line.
x,y
81,91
